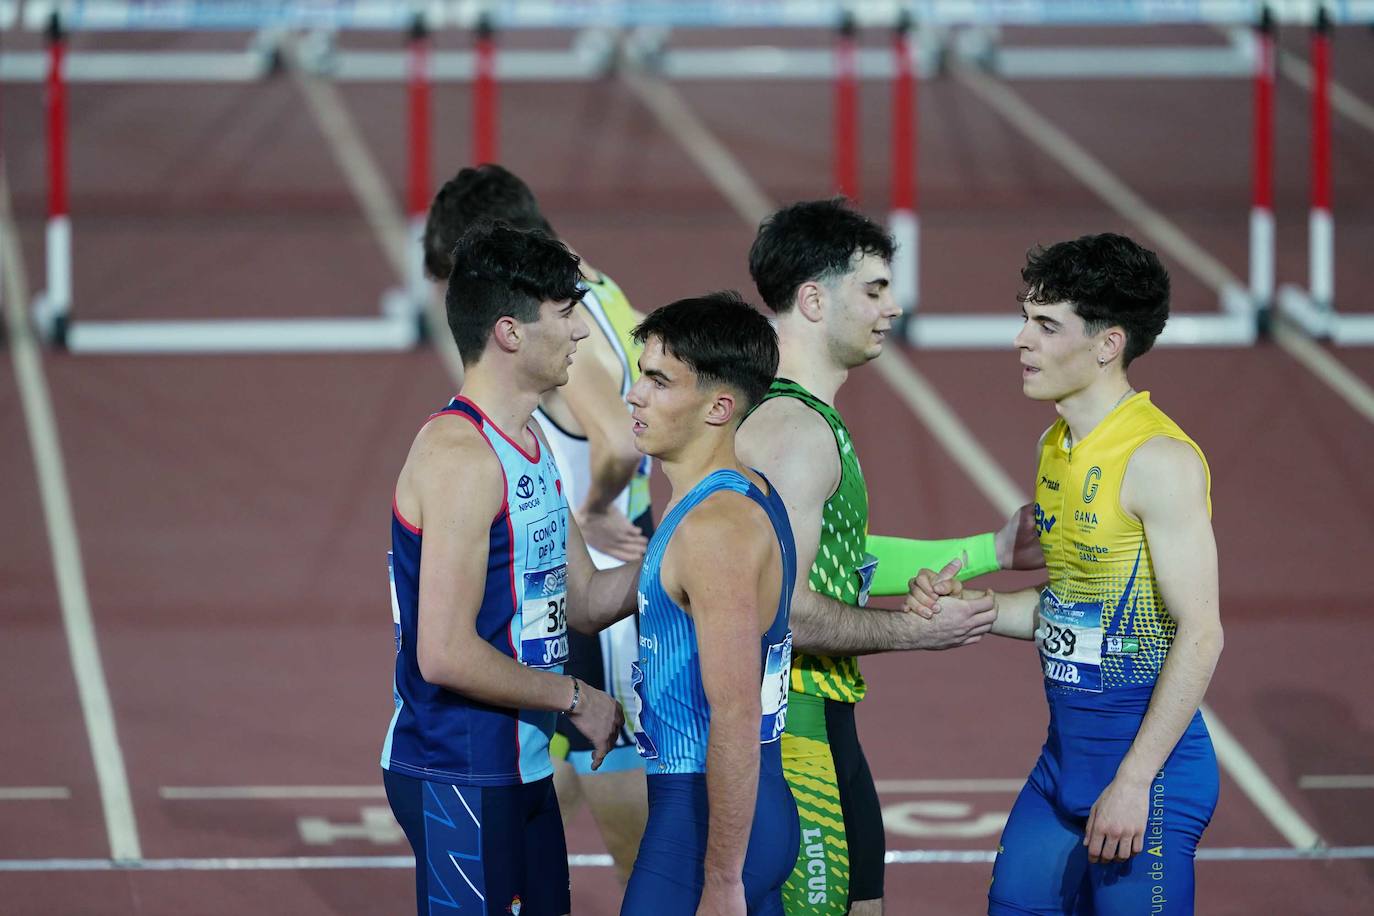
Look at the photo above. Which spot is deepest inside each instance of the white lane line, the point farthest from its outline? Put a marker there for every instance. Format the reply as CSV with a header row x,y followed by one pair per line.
x,y
1342,99
923,786
991,480
600,860
1357,781
35,793
254,793
380,207
91,686
1166,236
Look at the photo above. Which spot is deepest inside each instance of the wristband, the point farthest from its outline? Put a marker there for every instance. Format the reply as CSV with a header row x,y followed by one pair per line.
x,y
577,695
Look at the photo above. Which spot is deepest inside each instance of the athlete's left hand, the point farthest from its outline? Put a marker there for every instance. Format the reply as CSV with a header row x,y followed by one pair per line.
x,y
1116,825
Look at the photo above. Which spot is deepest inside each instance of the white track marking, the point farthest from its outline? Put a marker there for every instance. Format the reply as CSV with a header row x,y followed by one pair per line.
x,y
596,860
1163,233
380,207
747,198
959,786
1355,781
253,793
35,793
120,824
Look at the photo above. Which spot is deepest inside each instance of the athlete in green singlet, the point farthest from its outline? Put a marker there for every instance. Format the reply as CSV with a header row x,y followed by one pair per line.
x,y
825,270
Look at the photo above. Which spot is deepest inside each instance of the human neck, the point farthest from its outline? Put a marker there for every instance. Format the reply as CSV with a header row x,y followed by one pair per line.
x,y
699,458
804,359
500,399
1085,409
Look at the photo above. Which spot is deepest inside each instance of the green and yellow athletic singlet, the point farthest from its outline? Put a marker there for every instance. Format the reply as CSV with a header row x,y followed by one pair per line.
x,y
1103,623
842,569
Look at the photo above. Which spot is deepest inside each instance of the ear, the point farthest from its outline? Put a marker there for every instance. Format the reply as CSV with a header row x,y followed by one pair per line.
x,y
507,334
722,408
810,300
1111,345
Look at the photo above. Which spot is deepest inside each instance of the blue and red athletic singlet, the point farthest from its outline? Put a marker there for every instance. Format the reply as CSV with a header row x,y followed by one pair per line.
x,y
441,735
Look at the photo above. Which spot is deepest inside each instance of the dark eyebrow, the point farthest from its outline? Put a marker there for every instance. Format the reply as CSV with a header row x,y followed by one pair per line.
x,y
1044,320
567,310
654,374
880,282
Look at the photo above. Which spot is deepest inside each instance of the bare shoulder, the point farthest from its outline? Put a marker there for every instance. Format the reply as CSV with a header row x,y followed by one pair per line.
x,y
449,452
1163,474
725,528
794,446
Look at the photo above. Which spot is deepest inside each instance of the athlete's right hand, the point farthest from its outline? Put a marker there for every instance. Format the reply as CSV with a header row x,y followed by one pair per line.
x,y
598,717
944,615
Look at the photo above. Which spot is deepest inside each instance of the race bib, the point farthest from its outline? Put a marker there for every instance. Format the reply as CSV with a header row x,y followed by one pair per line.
x,y
1070,641
544,618
643,743
777,667
865,574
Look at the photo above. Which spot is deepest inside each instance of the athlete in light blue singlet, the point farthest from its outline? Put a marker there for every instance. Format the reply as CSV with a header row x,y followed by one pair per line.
x,y
714,604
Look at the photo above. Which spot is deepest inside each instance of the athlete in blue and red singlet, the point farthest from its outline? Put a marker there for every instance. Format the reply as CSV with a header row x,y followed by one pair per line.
x,y
488,571
714,647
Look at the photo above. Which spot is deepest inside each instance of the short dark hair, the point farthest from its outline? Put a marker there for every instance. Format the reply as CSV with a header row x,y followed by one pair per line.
x,y
723,338
499,271
810,241
1108,280
488,192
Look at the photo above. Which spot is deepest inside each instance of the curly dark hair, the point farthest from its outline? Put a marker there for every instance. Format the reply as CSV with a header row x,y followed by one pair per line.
x,y
810,241
499,272
488,192
723,338
1108,280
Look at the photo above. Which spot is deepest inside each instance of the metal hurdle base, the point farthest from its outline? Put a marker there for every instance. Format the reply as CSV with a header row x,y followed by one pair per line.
x,y
400,327
1322,321
1236,325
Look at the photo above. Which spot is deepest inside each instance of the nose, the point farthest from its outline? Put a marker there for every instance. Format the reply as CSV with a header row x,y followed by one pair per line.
x,y
1022,341
635,397
580,330
890,308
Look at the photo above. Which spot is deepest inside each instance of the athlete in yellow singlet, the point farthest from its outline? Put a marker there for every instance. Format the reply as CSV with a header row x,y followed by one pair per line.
x,y
1128,627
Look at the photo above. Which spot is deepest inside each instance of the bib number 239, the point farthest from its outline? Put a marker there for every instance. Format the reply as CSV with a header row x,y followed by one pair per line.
x,y
1070,641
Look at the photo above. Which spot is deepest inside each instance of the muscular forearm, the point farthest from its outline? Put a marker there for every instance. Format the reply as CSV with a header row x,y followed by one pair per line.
x,y
481,673
824,626
899,559
732,776
602,597
1177,695
1016,613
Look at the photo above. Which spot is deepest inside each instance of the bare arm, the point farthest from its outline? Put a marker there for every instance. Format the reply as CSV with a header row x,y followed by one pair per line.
x,y
452,486
718,558
1166,488
795,449
597,598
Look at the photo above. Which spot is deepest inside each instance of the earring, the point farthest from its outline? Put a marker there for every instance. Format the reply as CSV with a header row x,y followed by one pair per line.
x,y
1101,361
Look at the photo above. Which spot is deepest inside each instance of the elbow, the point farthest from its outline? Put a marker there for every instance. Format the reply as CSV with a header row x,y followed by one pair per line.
x,y
440,668
583,624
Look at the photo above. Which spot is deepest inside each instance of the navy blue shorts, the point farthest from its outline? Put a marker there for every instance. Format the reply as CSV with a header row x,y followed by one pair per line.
x,y
670,869
483,849
1042,865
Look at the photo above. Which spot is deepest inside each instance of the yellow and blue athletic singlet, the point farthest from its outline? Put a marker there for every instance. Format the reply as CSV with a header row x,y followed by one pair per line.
x,y
470,783
1103,635
674,731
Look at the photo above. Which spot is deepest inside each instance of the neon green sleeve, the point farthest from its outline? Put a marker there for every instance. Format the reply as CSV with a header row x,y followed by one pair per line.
x,y
901,558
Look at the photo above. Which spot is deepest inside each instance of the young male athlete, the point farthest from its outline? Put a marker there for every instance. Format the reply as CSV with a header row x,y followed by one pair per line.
x,y
488,570
714,598
825,270
605,480
1128,627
